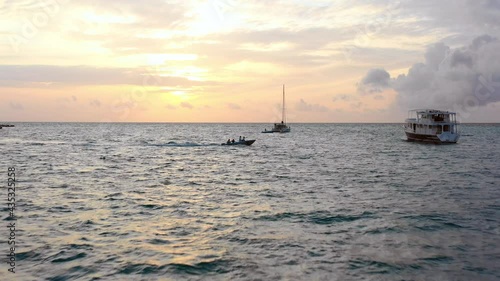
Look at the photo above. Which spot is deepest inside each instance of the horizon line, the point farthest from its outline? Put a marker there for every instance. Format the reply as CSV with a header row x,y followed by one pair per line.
x,y
181,122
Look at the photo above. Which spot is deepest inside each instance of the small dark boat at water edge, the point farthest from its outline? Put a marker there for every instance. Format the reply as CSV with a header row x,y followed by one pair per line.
x,y
243,142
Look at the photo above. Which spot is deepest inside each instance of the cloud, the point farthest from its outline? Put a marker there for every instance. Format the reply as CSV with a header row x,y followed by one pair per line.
x,y
435,54
126,14
33,75
356,105
95,103
233,106
304,106
463,16
171,107
16,105
187,105
375,81
344,97
450,78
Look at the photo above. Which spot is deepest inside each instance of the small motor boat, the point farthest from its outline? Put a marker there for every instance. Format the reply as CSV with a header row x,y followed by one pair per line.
x,y
242,142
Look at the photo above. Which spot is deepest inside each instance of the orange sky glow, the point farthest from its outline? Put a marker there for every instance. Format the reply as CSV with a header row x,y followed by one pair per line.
x,y
219,60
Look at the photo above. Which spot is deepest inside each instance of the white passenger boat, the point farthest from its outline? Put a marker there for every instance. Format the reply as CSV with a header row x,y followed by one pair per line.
x,y
430,125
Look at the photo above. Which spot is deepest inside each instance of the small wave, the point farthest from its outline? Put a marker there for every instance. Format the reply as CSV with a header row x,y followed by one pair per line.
x,y
60,186
159,242
151,206
438,259
60,209
80,246
432,222
318,217
202,268
88,222
68,258
193,183
140,269
112,234
9,218
166,182
112,195
74,273
85,144
175,144
30,255
379,267
384,230
185,144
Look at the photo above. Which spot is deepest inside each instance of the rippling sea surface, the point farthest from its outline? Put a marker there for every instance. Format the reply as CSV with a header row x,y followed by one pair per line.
x,y
324,202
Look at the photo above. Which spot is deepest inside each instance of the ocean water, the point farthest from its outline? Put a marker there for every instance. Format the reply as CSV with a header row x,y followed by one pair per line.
x,y
325,202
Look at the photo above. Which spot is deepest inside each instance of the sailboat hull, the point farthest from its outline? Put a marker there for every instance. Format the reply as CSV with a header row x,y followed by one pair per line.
x,y
278,128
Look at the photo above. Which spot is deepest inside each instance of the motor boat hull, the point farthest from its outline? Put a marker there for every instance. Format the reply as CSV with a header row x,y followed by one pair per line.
x,y
431,138
245,142
278,128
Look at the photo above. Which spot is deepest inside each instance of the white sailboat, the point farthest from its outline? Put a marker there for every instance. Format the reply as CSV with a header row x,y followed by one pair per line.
x,y
280,127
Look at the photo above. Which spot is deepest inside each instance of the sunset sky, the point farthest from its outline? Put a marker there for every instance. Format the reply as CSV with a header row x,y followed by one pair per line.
x,y
226,60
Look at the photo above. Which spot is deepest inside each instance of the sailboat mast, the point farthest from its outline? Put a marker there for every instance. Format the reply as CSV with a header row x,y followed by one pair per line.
x,y
283,112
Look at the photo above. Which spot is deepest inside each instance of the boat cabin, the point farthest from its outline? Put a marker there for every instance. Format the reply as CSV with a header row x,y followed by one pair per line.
x,y
431,122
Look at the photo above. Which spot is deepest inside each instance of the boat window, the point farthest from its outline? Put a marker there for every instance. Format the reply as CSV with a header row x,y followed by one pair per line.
x,y
430,126
446,128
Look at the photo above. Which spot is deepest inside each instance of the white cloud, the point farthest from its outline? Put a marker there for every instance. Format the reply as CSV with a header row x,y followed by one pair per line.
x,y
186,105
307,107
451,78
16,105
375,81
233,106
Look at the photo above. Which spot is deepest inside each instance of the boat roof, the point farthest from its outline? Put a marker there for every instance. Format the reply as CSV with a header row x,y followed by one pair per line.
x,y
432,111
